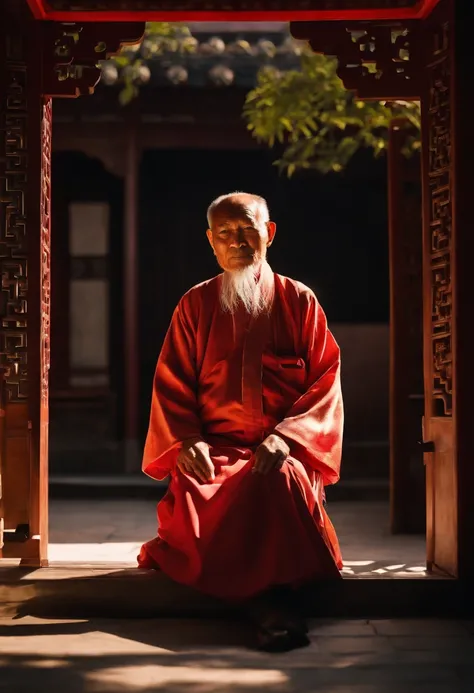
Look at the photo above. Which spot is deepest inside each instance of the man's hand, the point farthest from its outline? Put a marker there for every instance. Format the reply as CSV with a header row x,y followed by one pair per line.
x,y
271,454
194,458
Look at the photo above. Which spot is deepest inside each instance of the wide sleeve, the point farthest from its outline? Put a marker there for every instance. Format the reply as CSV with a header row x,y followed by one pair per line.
x,y
174,412
313,427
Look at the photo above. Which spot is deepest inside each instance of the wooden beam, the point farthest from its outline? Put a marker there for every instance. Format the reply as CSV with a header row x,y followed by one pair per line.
x,y
233,12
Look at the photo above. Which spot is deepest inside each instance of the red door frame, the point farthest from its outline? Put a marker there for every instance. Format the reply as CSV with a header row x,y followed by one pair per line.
x,y
42,10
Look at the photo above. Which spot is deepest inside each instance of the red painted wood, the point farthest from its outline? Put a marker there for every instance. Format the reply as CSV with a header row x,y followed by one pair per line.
x,y
41,10
38,9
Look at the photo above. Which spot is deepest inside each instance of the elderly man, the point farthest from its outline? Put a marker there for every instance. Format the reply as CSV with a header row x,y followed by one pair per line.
x,y
246,419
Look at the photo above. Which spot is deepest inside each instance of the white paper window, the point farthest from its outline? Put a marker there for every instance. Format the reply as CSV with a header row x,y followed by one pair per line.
x,y
88,229
89,294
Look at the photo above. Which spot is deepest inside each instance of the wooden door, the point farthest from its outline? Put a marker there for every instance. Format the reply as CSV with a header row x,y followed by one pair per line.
x,y
439,439
25,150
407,473
2,454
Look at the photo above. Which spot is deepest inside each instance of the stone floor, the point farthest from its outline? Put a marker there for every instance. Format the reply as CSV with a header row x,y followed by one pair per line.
x,y
104,531
136,655
205,656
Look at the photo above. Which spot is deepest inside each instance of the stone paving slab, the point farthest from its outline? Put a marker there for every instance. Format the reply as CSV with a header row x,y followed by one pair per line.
x,y
209,656
433,644
351,628
421,627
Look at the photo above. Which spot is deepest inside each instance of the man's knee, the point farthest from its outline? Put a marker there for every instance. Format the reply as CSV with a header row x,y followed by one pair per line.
x,y
287,467
278,473
289,471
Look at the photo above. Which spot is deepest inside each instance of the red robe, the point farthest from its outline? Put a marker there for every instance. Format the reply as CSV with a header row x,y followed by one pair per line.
x,y
233,380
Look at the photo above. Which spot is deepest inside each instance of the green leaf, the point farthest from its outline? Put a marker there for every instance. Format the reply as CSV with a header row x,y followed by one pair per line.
x,y
339,123
328,124
121,60
127,94
287,124
305,130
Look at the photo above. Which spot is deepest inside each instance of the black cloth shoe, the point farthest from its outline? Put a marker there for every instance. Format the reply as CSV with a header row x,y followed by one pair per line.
x,y
280,625
271,639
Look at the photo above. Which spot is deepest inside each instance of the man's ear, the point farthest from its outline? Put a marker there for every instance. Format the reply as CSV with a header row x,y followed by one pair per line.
x,y
209,238
271,230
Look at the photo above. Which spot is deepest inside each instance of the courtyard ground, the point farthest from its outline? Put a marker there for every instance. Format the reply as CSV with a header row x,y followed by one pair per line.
x,y
214,655
208,656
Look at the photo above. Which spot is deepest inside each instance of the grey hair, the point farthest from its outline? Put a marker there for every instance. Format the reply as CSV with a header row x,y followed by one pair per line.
x,y
222,198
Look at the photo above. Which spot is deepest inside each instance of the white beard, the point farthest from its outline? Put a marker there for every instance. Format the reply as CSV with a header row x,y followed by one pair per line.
x,y
242,287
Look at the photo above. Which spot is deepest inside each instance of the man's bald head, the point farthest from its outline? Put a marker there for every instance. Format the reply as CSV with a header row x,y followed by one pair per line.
x,y
240,230
238,200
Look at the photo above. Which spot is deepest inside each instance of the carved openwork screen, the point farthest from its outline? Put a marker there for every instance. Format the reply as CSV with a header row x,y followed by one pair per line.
x,y
13,246
438,125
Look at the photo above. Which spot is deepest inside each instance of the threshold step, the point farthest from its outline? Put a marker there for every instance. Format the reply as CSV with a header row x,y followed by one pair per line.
x,y
121,591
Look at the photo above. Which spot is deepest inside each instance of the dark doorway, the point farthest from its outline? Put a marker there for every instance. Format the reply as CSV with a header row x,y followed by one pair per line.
x,y
332,235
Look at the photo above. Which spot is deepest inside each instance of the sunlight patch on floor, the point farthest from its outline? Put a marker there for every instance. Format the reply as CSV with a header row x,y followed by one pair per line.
x,y
156,677
104,552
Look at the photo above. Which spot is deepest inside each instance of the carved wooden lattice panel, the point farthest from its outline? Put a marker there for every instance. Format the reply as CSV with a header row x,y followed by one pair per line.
x,y
13,257
45,247
72,52
375,60
441,460
14,104
439,124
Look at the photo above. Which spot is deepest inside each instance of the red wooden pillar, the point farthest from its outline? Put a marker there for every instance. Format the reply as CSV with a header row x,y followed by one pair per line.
x,y
130,302
463,289
438,191
449,296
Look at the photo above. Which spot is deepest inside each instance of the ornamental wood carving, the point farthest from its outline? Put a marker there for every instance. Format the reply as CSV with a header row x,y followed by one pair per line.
x,y
45,211
440,174
13,192
72,53
377,61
